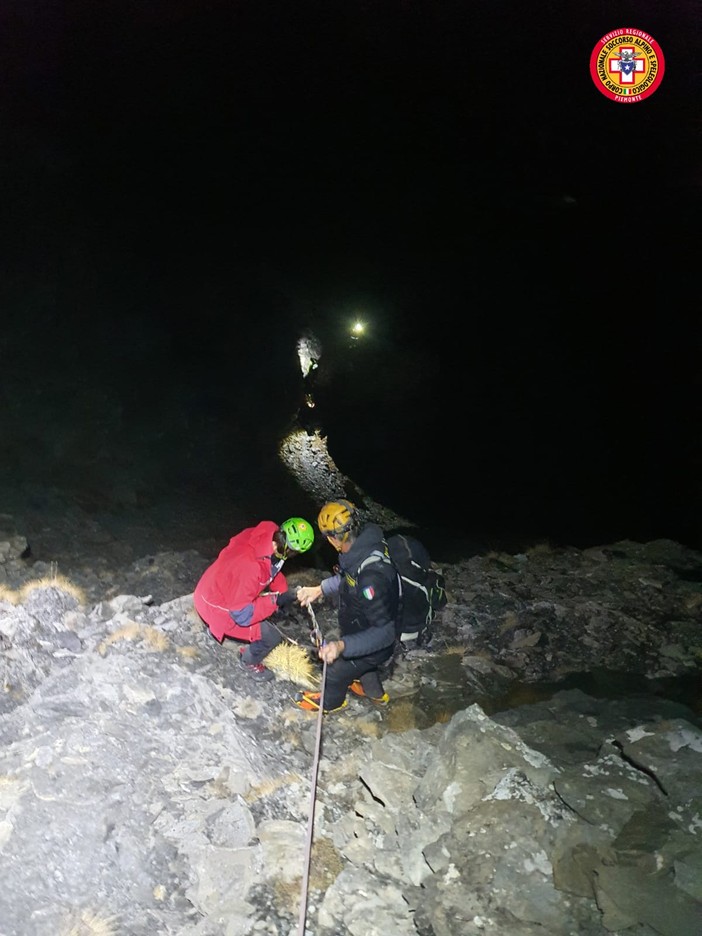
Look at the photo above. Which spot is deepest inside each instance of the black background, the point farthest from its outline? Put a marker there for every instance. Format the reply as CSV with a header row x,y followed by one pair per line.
x,y
190,186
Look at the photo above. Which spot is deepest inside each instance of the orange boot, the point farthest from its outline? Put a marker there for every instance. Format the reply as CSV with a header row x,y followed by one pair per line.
x,y
357,688
309,701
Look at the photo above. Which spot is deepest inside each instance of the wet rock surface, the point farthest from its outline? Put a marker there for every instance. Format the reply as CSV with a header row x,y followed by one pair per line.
x,y
149,785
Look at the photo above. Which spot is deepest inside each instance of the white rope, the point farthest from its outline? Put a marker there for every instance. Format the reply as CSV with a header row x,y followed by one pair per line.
x,y
310,820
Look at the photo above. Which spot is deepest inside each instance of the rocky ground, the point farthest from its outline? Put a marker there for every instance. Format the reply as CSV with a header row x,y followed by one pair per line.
x,y
148,785
537,770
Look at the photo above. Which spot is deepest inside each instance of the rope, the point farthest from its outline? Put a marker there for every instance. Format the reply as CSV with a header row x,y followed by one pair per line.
x,y
310,820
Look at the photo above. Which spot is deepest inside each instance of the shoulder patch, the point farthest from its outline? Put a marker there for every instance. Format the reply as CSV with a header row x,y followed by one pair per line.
x,y
369,593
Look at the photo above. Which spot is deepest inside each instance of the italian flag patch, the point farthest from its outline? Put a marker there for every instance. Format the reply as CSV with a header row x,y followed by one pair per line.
x,y
369,593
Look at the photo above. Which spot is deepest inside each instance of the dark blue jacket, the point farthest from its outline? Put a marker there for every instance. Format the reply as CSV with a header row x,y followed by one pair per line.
x,y
368,600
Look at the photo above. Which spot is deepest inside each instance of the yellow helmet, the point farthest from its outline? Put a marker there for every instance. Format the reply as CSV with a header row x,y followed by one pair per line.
x,y
336,518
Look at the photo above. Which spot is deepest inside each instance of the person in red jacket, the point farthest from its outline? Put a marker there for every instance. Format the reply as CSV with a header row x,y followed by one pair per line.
x,y
245,585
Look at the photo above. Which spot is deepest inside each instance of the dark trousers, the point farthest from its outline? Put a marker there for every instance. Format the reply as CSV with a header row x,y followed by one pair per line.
x,y
258,649
341,673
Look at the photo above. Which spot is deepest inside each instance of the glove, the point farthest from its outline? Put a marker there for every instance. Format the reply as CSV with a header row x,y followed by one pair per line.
x,y
242,616
286,598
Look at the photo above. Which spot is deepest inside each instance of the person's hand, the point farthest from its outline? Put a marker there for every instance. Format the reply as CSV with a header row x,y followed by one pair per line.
x,y
309,593
329,652
286,598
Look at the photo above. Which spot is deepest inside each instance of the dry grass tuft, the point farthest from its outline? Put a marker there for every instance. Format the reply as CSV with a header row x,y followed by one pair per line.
x,y
271,785
287,894
293,663
58,582
130,631
88,923
455,650
401,716
155,638
6,594
370,729
326,864
290,717
188,653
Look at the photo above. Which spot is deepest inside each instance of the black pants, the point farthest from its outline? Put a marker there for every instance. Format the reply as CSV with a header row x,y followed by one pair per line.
x,y
258,649
341,673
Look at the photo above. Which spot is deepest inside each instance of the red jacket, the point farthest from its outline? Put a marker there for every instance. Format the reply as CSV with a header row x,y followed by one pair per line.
x,y
236,581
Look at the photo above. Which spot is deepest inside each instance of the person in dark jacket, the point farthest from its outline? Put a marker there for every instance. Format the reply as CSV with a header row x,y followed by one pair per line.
x,y
368,594
244,586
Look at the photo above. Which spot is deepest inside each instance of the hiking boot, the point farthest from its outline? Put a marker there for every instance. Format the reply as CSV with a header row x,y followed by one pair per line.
x,y
357,688
257,670
309,701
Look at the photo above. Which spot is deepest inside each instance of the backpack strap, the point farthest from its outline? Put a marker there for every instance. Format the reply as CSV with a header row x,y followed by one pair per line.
x,y
375,556
378,555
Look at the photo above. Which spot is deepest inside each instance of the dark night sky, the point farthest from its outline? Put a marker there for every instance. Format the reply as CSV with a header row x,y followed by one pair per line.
x,y
187,185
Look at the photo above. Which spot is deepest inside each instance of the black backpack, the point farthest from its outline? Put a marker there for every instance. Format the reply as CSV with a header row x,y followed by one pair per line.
x,y
423,589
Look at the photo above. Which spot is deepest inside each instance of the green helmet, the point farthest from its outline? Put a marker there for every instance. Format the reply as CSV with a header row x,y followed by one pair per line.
x,y
299,535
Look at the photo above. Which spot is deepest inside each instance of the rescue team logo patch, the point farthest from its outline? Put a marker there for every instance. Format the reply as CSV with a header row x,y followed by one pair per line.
x,y
369,593
627,65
